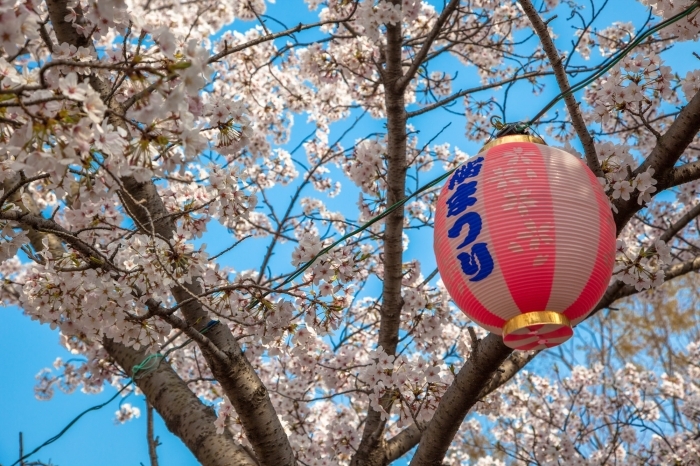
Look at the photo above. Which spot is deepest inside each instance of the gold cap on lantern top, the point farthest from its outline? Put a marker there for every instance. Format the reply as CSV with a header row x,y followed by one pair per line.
x,y
513,138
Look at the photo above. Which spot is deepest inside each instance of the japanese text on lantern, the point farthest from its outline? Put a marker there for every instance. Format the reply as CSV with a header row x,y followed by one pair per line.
x,y
476,261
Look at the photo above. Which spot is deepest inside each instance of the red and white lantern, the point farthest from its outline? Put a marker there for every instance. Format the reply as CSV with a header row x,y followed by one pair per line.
x,y
525,241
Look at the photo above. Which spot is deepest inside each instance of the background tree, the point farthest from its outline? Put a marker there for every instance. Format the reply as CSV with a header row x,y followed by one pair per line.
x,y
133,130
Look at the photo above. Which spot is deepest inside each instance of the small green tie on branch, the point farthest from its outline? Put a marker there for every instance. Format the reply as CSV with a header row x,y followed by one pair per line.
x,y
152,362
139,371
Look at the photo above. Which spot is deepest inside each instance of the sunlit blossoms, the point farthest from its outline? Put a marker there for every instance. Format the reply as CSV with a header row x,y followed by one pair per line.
x,y
167,169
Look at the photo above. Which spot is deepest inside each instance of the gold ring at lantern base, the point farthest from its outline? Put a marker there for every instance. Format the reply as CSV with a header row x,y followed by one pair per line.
x,y
536,330
513,138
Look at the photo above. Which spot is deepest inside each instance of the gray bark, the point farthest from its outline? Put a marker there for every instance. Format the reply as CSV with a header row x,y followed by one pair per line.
x,y
184,414
237,377
555,61
370,451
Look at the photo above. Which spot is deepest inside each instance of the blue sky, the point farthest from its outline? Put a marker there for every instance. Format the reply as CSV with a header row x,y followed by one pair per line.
x,y
96,439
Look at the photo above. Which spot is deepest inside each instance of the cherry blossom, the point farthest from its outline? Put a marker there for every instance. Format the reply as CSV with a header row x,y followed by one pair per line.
x,y
168,169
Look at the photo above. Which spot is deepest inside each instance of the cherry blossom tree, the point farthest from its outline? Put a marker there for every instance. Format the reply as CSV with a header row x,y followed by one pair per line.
x,y
133,130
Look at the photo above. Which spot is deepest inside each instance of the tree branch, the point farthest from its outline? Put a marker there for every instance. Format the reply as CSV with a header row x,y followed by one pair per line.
x,y
152,441
64,30
555,60
184,414
268,37
402,442
237,377
427,43
675,140
465,92
40,224
684,174
458,400
245,390
664,156
672,272
369,451
681,223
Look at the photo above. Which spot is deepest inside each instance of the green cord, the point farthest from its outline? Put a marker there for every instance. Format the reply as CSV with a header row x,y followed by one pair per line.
x,y
353,233
614,60
152,362
70,424
139,371
148,365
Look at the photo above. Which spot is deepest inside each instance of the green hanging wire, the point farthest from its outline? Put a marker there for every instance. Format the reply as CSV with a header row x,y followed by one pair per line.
x,y
139,371
519,127
612,61
70,424
374,220
152,362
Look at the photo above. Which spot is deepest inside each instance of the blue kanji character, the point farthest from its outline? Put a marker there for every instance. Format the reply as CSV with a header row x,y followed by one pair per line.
x,y
478,262
468,170
461,199
473,220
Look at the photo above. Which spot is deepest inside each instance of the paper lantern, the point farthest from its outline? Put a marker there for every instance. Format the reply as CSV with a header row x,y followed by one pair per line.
x,y
525,241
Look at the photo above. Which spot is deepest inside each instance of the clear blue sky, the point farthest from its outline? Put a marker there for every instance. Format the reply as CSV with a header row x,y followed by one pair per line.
x,y
96,440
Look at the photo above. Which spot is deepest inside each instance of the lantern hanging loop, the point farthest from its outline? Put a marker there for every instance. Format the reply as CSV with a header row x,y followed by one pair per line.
x,y
511,132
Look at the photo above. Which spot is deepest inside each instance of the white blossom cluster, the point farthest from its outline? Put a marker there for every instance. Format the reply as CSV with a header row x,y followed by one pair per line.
x,y
211,129
593,415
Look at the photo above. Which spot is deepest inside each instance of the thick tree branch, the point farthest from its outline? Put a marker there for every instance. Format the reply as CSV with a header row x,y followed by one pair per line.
x,y
64,30
237,377
675,140
370,451
555,60
458,400
408,438
684,174
184,414
403,442
669,148
396,191
507,371
675,271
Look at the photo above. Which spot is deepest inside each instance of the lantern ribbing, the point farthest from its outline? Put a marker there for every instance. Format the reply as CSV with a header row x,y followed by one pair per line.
x,y
524,241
